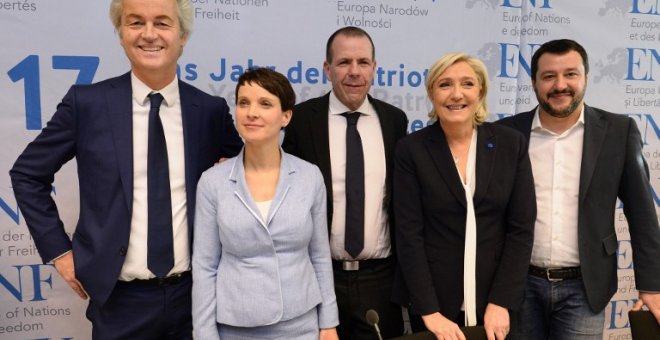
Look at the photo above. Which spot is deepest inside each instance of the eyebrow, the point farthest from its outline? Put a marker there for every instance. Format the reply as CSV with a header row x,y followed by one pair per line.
x,y
461,78
137,16
357,59
560,71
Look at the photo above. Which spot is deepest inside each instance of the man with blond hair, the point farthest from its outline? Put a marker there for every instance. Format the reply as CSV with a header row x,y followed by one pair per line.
x,y
141,142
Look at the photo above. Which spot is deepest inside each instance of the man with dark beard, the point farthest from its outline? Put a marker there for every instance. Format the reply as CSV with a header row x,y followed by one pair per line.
x,y
583,159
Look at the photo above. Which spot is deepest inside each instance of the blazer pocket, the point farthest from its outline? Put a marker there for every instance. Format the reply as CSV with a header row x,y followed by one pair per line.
x,y
610,244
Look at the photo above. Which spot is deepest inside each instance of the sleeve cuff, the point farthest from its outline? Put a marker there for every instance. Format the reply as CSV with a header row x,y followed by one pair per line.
x,y
53,260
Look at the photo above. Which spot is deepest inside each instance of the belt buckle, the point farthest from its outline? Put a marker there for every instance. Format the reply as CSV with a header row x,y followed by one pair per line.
x,y
350,266
168,280
163,281
547,275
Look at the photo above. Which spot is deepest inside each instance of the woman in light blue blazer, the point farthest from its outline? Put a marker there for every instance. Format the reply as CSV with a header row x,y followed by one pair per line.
x,y
261,257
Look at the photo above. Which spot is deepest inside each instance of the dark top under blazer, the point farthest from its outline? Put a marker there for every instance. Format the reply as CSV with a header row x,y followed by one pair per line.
x,y
612,166
430,210
307,137
94,124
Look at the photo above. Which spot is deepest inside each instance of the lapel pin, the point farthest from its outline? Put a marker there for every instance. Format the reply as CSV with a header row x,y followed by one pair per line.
x,y
490,145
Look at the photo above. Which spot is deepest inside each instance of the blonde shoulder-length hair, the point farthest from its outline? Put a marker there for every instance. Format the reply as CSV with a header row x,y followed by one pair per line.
x,y
441,65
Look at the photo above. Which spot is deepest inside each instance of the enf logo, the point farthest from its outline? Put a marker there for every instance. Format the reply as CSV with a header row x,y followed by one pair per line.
x,y
642,62
28,281
492,4
645,7
519,3
515,57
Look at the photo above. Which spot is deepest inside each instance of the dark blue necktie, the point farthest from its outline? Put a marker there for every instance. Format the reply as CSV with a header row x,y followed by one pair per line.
x,y
160,252
354,233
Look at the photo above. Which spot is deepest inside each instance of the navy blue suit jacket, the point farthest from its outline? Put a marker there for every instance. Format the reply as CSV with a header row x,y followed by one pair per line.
x,y
93,123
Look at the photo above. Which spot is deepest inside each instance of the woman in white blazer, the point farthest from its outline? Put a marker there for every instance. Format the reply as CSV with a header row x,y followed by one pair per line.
x,y
261,257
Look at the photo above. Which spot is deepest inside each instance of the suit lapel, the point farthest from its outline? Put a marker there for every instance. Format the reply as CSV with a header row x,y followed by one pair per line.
x,y
486,151
241,190
318,125
386,129
287,172
389,142
191,126
437,147
595,129
120,114
524,122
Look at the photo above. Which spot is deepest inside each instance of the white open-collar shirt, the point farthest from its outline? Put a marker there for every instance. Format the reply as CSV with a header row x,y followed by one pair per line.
x,y
556,163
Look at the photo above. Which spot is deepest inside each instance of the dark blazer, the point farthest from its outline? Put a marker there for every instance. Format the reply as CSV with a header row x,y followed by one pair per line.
x,y
93,123
612,166
307,137
430,211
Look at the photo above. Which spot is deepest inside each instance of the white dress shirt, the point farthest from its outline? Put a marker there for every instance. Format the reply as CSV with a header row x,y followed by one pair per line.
x,y
135,264
556,162
376,225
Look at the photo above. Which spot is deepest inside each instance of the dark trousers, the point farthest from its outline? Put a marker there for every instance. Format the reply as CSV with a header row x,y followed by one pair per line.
x,y
364,289
144,311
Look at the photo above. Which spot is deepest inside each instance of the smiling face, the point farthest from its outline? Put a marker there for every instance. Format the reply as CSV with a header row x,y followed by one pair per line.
x,y
351,69
151,36
455,95
259,116
560,84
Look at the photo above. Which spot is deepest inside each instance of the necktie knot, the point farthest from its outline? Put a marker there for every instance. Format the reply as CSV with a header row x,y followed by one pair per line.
x,y
155,99
351,117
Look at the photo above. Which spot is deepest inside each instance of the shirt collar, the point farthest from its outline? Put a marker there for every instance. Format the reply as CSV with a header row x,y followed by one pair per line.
x,y
170,92
336,107
537,126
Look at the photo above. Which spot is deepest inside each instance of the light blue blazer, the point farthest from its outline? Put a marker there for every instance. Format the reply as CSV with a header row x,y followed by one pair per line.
x,y
249,272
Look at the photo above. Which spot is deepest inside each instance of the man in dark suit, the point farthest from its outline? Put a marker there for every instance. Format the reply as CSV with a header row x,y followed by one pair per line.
x,y
138,163
583,158
320,132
